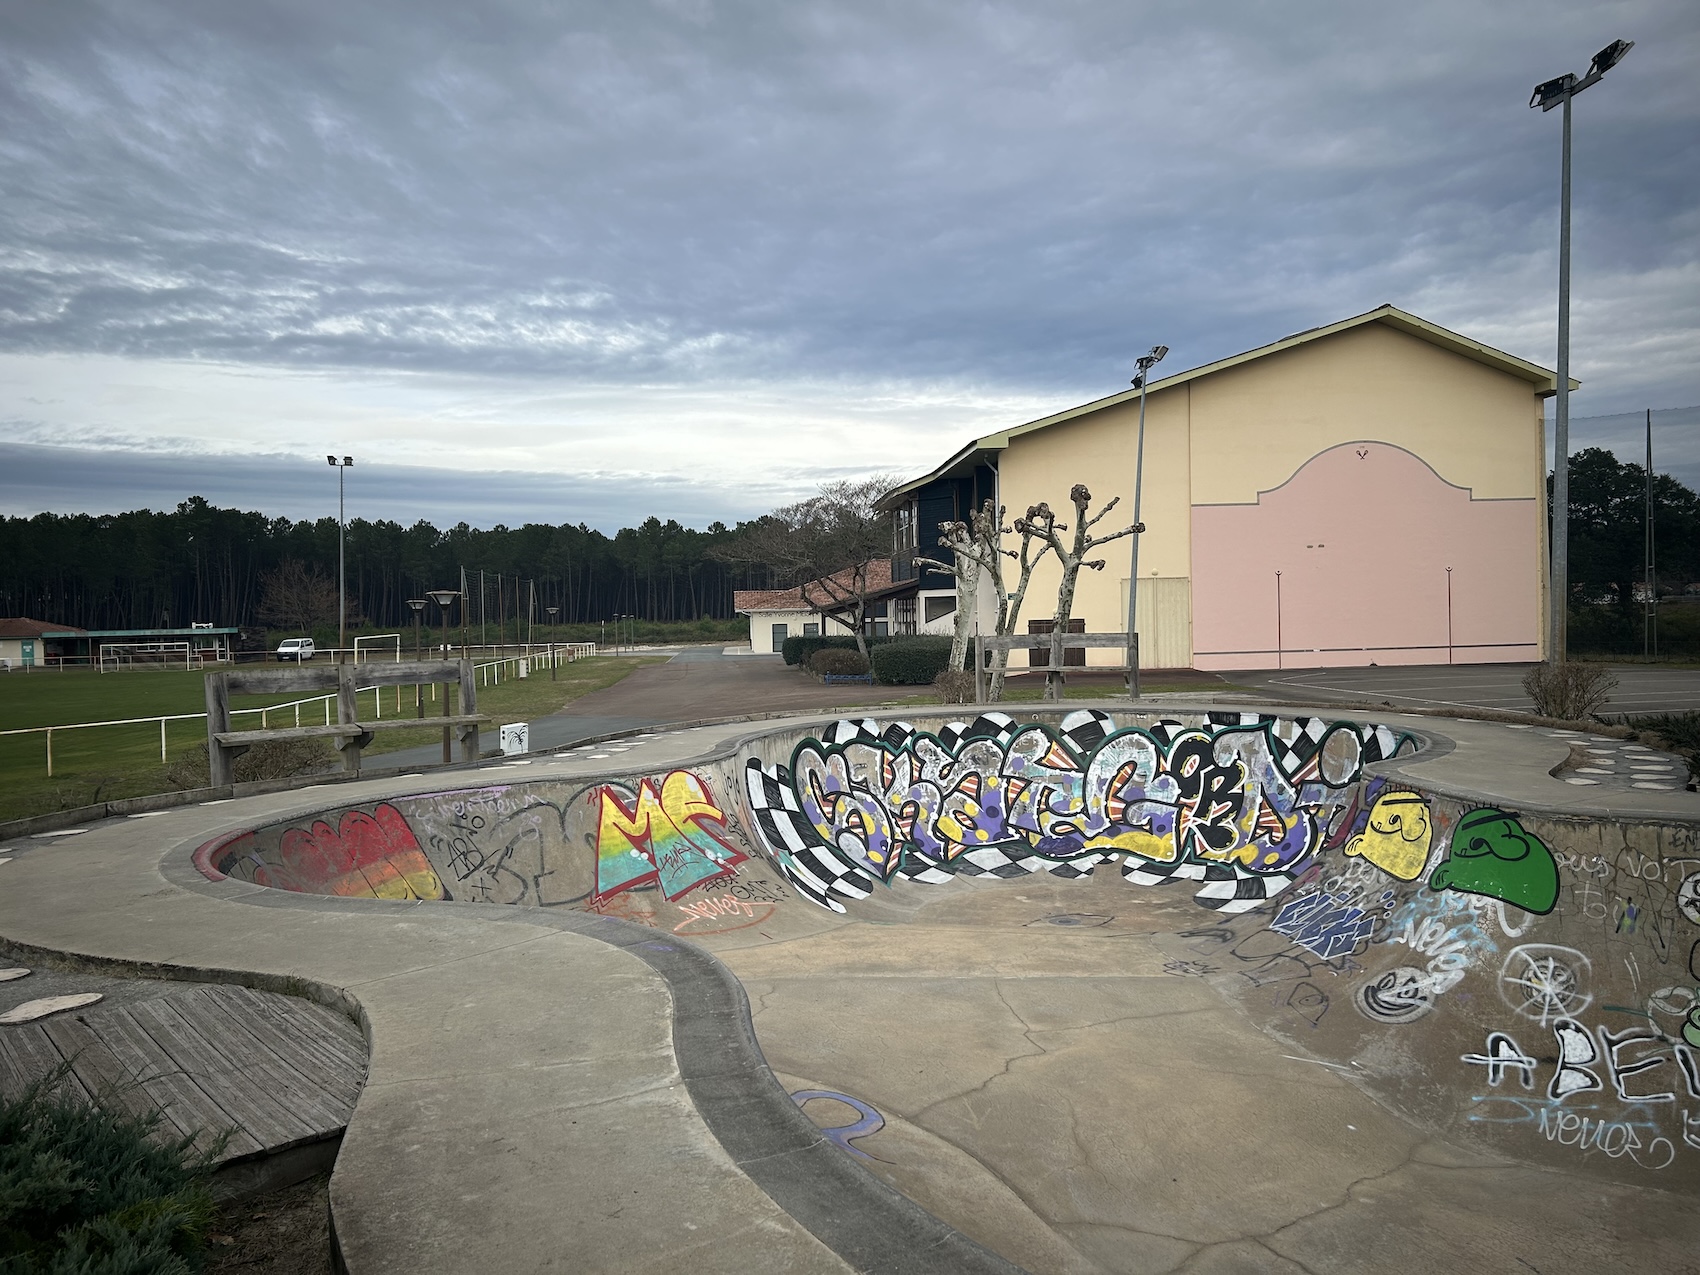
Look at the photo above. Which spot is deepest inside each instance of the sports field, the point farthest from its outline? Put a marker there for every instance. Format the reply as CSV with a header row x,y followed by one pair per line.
x,y
107,762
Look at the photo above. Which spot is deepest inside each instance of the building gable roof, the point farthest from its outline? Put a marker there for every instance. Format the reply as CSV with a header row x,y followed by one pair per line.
x,y
1544,381
20,627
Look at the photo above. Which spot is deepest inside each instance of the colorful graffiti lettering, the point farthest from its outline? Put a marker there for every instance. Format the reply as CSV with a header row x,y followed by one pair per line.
x,y
1325,924
868,1121
663,838
1492,854
1398,835
1236,802
373,856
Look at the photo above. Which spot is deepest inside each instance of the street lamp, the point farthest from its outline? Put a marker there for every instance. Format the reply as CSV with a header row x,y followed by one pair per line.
x,y
445,598
417,605
1144,363
341,576
552,613
1558,92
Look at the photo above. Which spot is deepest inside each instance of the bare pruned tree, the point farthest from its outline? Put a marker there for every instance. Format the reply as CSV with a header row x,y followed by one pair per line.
x,y
977,553
827,544
1072,556
294,597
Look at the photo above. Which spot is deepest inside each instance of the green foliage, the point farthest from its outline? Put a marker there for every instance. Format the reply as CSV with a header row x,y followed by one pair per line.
x,y
1680,730
1608,511
86,1191
838,662
1609,630
202,563
911,661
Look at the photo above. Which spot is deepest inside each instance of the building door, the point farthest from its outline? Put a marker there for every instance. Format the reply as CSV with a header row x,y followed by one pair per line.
x,y
780,633
26,649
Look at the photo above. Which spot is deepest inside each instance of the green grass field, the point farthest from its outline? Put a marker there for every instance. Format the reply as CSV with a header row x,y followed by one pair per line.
x,y
109,762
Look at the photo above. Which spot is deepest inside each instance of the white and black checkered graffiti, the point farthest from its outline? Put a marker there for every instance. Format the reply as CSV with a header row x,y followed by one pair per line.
x,y
1236,802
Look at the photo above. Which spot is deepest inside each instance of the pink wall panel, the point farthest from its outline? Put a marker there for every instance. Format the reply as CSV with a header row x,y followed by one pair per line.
x,y
1362,536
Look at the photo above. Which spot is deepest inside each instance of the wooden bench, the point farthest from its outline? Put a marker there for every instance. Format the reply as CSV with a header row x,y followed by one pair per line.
x,y
348,733
1054,677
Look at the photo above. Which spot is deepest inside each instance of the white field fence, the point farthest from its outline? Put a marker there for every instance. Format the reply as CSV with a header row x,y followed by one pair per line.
x,y
308,711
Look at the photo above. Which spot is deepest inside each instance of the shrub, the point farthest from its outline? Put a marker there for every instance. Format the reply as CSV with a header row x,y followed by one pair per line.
x,y
800,650
836,661
955,686
86,1189
911,661
272,759
1569,692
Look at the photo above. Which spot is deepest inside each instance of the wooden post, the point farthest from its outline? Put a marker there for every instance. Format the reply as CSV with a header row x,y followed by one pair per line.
x,y
220,763
468,705
347,713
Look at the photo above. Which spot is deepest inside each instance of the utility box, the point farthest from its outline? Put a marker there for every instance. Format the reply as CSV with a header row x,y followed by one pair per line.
x,y
516,739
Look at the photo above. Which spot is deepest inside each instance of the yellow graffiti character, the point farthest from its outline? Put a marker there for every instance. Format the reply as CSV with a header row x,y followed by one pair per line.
x,y
1397,838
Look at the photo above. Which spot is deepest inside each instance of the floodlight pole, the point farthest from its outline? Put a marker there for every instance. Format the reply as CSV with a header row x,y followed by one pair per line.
x,y
1558,92
341,573
1144,363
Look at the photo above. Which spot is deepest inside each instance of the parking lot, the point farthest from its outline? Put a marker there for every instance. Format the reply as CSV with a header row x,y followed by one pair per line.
x,y
1640,689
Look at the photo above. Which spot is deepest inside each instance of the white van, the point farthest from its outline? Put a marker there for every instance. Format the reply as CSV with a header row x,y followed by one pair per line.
x,y
297,649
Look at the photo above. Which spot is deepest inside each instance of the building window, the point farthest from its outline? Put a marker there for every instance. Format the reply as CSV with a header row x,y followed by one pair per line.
x,y
940,607
905,615
811,630
882,629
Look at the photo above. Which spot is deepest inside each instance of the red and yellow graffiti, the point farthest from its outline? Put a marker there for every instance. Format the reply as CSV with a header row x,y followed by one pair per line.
x,y
664,838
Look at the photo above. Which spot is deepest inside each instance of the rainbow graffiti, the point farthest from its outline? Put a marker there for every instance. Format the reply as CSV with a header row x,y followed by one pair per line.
x,y
664,838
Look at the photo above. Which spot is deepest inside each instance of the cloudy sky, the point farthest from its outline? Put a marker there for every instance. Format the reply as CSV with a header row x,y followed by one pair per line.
x,y
589,261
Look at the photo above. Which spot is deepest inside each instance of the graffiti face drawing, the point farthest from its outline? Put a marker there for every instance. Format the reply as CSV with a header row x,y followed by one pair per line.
x,y
1397,838
1493,854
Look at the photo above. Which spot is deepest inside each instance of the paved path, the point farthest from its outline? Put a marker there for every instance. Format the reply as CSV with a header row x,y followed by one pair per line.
x,y
1493,686
554,1090
696,684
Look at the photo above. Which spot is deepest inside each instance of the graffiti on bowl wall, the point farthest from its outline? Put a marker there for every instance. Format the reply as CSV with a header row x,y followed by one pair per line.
x,y
1236,803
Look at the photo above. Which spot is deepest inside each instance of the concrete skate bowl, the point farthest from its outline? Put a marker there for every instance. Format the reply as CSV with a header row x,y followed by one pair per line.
x,y
1516,985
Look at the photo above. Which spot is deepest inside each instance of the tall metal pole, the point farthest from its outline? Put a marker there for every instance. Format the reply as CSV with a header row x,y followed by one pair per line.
x,y
1652,626
341,571
1144,363
1560,586
1133,577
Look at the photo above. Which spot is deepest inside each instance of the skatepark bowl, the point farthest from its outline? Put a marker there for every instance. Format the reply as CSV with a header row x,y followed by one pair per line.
x,y
1098,990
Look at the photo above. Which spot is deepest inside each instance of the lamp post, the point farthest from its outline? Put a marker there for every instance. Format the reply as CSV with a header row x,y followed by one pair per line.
x,y
445,598
1144,363
341,575
417,605
1558,92
552,613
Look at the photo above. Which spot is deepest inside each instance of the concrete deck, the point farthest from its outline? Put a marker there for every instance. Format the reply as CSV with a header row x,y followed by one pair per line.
x,y
555,1090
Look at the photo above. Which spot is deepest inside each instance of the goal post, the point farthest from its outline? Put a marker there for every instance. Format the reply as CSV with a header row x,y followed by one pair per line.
x,y
384,639
122,655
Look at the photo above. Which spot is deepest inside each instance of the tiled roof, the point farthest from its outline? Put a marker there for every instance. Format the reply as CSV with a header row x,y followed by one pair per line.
x,y
19,627
747,600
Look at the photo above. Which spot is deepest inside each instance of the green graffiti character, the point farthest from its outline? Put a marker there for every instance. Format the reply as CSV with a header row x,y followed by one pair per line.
x,y
1493,854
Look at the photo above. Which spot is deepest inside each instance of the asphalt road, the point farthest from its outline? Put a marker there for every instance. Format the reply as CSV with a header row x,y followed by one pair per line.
x,y
1640,689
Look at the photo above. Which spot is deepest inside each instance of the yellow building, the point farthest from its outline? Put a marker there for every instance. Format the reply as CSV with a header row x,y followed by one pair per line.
x,y
1372,491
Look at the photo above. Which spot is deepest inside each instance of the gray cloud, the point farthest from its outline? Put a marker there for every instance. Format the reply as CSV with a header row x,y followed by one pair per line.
x,y
1010,196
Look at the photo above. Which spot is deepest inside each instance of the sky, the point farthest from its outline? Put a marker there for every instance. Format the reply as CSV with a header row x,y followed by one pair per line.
x,y
589,262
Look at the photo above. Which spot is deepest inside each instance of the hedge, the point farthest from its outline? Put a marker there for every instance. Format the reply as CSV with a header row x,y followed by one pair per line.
x,y
911,661
800,650
842,663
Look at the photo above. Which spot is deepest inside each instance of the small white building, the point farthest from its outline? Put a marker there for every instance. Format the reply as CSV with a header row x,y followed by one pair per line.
x,y
808,611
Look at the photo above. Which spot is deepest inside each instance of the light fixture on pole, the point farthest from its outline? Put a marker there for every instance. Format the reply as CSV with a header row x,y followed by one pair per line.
x,y
445,598
1144,363
341,575
1558,92
552,612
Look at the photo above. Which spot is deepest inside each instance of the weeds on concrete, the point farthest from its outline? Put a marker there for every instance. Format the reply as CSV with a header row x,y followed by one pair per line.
x,y
1572,692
